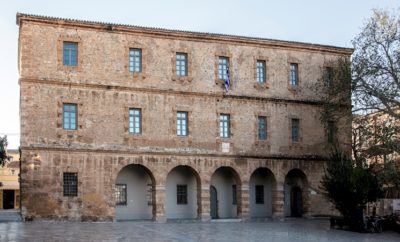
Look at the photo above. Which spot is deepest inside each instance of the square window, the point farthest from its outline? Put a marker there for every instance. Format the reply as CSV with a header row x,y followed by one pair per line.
x,y
262,127
181,64
224,125
135,60
70,184
182,123
259,194
120,194
295,129
70,116
135,121
70,53
181,194
261,72
294,74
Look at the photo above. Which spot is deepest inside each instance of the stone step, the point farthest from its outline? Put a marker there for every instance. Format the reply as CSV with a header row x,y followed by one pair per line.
x,y
11,215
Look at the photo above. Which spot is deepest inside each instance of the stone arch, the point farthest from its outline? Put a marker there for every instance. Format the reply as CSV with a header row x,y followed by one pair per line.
x,y
262,193
137,182
296,193
183,175
226,182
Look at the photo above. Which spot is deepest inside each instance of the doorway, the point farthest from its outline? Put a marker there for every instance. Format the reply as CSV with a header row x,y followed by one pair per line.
x,y
296,202
8,199
214,202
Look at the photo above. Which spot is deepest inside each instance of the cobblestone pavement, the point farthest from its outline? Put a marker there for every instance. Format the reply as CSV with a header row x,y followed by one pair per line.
x,y
280,231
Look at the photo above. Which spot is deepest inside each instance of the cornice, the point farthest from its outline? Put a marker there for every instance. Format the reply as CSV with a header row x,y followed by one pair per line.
x,y
180,34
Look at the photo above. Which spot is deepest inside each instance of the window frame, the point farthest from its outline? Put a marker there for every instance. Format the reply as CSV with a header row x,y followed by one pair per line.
x,y
234,194
69,123
295,137
294,74
181,194
132,64
223,68
265,129
70,186
179,124
328,76
264,71
133,123
71,62
331,132
182,63
224,126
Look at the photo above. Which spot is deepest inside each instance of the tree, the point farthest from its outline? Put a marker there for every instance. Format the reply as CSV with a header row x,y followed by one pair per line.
x,y
3,151
376,65
350,187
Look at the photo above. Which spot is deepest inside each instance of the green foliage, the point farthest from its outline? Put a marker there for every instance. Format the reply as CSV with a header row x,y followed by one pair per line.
x,y
350,187
3,151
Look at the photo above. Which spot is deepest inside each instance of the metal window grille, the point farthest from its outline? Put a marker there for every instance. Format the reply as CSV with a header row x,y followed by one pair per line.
x,y
262,128
182,123
259,194
135,60
135,120
331,131
181,64
261,66
295,130
120,194
223,66
70,184
234,194
70,116
224,125
294,74
181,194
70,53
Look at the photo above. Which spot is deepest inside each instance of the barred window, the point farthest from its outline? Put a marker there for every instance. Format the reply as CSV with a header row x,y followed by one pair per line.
x,y
223,68
224,125
135,120
135,60
181,64
181,194
262,128
182,123
259,194
70,184
331,131
295,129
261,71
234,194
70,54
120,194
294,74
70,116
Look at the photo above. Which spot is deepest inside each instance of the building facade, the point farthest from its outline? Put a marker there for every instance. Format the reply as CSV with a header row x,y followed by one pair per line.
x,y
9,182
123,122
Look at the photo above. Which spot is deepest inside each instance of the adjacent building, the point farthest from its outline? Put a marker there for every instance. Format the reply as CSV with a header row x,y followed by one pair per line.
x,y
122,122
9,182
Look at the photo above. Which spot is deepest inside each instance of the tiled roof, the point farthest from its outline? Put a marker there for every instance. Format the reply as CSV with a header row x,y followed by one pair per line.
x,y
111,26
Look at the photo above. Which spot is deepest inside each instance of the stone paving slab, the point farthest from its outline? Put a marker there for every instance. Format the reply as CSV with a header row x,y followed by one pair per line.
x,y
280,231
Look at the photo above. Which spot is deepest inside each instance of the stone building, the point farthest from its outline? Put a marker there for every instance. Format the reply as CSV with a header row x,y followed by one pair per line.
x,y
124,122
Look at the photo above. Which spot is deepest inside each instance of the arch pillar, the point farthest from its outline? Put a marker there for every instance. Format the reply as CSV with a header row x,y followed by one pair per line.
x,y
244,204
205,202
160,203
278,200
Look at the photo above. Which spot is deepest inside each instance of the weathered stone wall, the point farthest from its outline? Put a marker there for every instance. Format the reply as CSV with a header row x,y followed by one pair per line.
x,y
41,182
104,89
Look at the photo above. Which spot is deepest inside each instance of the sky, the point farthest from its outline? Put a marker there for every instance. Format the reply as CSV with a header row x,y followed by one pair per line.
x,y
331,22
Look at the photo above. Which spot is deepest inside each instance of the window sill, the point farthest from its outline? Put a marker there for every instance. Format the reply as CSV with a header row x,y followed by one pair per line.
x,y
261,86
137,75
182,78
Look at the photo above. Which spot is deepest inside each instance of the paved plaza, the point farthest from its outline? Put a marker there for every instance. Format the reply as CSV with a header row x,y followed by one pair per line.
x,y
281,231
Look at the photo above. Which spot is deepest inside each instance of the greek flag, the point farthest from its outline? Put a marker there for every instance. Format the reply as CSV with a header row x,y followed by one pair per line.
x,y
227,80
